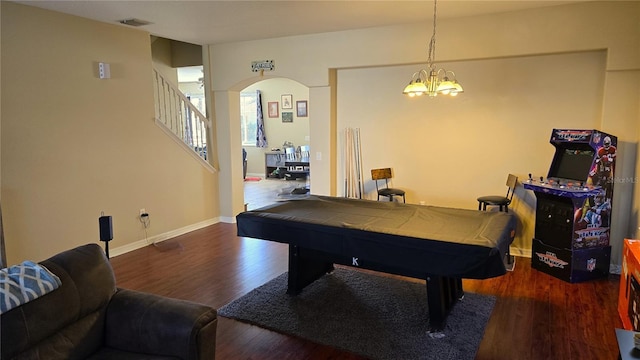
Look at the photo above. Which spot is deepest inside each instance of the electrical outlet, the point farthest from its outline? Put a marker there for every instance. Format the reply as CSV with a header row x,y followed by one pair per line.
x,y
144,217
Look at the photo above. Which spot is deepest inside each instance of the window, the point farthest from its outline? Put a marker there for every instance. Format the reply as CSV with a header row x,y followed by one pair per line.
x,y
191,83
248,117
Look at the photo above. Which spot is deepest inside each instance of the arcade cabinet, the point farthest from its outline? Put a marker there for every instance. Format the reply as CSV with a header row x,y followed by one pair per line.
x,y
573,209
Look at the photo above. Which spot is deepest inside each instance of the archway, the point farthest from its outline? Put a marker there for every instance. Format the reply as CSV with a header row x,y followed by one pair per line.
x,y
286,121
226,106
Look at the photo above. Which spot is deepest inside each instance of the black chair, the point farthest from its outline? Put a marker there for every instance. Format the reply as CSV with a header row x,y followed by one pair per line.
x,y
385,174
290,153
501,201
304,151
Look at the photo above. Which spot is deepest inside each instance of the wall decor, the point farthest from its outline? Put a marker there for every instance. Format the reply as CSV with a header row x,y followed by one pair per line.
x,y
287,101
301,105
273,109
287,116
262,65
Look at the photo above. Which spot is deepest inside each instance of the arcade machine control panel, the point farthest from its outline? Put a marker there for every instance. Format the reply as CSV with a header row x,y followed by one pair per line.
x,y
563,187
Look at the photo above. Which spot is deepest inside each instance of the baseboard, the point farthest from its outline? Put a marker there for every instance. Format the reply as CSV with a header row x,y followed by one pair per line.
x,y
615,269
161,237
228,219
520,252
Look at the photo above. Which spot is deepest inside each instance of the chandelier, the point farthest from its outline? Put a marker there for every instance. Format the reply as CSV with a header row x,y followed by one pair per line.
x,y
432,81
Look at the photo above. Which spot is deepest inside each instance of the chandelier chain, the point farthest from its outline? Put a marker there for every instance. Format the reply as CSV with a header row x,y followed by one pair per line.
x,y
432,44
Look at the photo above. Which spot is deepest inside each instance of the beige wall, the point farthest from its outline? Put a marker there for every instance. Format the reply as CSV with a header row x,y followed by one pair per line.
x,y
278,132
161,55
485,51
448,151
74,145
184,54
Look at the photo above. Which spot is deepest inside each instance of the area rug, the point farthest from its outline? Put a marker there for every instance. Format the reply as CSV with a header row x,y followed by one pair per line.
x,y
368,314
252,178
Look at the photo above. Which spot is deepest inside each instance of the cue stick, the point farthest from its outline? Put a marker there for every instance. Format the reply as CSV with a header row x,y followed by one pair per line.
x,y
361,174
347,168
351,164
355,163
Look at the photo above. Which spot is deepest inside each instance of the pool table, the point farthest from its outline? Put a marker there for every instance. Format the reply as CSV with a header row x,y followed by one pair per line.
x,y
438,244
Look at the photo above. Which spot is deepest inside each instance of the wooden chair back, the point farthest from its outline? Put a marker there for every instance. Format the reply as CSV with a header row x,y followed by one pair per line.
x,y
381,174
512,180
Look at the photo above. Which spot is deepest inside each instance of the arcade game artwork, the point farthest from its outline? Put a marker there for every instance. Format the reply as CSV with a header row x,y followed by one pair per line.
x,y
573,209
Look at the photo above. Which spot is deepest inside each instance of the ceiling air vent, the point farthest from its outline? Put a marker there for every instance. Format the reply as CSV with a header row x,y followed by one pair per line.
x,y
134,22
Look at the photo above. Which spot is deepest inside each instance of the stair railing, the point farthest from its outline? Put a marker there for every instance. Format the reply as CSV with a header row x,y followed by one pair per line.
x,y
179,117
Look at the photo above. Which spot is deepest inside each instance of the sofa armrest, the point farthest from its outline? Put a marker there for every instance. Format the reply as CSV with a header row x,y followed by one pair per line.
x,y
152,324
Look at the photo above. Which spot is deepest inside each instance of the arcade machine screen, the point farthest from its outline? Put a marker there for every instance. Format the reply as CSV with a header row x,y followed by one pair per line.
x,y
572,163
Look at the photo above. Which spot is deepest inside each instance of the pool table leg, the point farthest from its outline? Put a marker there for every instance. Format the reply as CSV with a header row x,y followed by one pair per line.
x,y
442,294
305,267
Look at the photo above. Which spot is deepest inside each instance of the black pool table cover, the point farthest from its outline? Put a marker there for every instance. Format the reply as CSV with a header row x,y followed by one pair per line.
x,y
405,239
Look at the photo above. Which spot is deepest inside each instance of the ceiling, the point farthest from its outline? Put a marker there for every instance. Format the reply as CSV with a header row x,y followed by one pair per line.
x,y
213,22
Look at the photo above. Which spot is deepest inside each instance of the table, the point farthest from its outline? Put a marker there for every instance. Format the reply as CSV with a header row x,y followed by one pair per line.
x,y
297,168
437,244
627,348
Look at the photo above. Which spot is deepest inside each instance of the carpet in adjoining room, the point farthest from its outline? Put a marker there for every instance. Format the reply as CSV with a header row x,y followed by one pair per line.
x,y
252,178
368,314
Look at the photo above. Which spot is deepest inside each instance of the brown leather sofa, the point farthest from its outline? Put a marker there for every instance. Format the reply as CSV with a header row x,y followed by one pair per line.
x,y
88,317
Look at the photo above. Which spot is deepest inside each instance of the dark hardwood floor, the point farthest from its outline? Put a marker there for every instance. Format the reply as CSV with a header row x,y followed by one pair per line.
x,y
536,316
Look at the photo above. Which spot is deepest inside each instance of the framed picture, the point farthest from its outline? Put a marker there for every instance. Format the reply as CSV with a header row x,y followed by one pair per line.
x,y
273,109
287,101
302,108
287,116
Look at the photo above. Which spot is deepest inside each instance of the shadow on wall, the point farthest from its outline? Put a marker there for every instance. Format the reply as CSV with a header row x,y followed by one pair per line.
x,y
635,225
524,207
